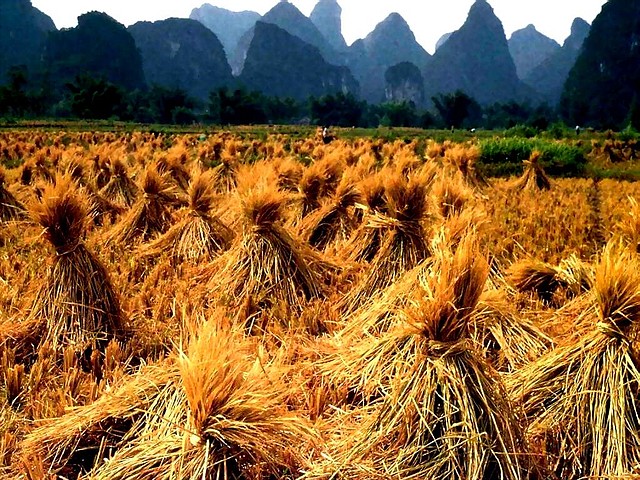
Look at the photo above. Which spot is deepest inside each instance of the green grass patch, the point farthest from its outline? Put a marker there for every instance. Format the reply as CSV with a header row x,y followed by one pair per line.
x,y
504,156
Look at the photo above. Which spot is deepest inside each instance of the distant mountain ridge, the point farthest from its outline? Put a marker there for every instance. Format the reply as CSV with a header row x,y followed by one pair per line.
x,y
327,17
549,77
603,87
228,26
286,16
390,43
476,60
100,47
182,53
285,53
23,33
281,64
529,48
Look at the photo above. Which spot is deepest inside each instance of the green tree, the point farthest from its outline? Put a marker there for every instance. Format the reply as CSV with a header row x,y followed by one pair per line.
x,y
238,107
455,108
95,98
339,110
13,98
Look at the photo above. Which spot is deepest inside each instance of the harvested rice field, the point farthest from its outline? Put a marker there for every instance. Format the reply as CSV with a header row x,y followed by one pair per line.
x,y
189,307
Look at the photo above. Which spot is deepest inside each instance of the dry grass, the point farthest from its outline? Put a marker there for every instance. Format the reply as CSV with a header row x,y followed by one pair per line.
x,y
374,337
438,409
76,303
200,236
581,398
267,264
151,214
534,176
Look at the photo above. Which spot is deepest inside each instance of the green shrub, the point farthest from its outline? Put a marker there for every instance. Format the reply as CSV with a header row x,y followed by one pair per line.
x,y
504,156
524,131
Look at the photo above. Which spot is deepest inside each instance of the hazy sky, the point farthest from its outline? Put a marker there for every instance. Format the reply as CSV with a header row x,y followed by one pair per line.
x,y
429,19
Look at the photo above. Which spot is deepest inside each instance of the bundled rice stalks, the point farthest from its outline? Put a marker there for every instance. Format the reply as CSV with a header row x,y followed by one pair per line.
x,y
10,208
289,172
73,443
77,304
150,215
534,178
582,398
450,196
509,340
334,222
403,241
226,174
465,160
573,277
120,189
318,181
200,235
174,166
439,410
535,277
629,227
267,264
214,411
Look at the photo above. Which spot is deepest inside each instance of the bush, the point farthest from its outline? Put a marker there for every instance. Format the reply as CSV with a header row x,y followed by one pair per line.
x,y
524,131
504,156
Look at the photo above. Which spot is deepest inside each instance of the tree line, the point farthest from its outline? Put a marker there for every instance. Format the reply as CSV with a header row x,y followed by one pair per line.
x,y
96,98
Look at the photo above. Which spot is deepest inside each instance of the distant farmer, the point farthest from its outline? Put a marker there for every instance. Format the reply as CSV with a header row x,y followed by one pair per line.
x,y
326,136
577,129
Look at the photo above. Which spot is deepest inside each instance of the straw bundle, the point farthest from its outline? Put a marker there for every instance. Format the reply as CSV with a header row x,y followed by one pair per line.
x,y
334,221
318,181
439,410
629,227
120,189
200,235
77,300
366,241
403,243
75,442
465,160
150,215
226,174
582,397
534,178
266,263
214,411
450,196
573,277
174,167
10,208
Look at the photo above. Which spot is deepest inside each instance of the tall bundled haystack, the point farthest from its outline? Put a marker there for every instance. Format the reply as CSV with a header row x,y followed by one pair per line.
x,y
318,181
573,277
267,264
226,174
629,227
174,166
401,235
289,171
120,189
334,221
10,208
150,215
200,235
582,398
436,408
76,304
450,196
212,411
464,159
534,178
